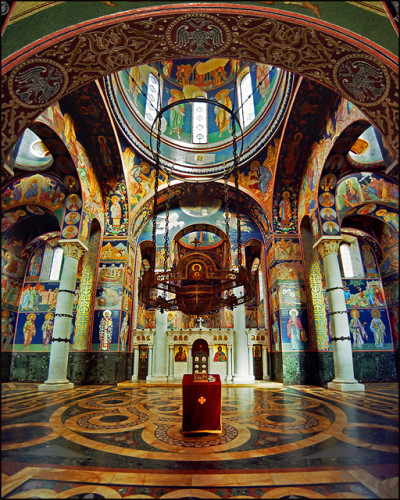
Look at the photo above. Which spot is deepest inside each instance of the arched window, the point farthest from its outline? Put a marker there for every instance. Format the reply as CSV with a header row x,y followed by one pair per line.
x,y
153,90
199,123
246,101
56,264
347,264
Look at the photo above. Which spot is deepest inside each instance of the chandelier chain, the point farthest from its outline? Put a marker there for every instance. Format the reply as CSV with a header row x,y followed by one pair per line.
x,y
157,172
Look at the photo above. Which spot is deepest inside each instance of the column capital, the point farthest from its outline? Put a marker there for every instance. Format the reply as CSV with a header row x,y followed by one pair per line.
x,y
73,248
326,245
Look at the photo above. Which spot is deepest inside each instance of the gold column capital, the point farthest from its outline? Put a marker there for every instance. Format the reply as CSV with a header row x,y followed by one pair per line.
x,y
328,245
73,248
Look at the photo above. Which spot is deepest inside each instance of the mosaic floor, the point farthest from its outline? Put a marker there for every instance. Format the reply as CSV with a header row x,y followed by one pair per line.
x,y
125,442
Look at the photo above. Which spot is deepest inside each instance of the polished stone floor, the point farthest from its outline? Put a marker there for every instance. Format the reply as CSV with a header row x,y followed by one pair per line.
x,y
125,442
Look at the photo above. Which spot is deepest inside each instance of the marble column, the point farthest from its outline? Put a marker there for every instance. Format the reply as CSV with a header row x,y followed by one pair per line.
x,y
251,362
59,349
341,341
241,370
160,363
171,363
265,362
150,363
135,374
229,363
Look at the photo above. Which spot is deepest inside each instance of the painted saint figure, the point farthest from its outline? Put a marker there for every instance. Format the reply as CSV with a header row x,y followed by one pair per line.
x,y
219,355
47,329
29,329
357,329
116,212
223,118
181,354
176,113
377,327
295,330
105,330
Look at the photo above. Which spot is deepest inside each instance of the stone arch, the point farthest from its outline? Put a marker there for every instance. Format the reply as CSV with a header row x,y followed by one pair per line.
x,y
130,38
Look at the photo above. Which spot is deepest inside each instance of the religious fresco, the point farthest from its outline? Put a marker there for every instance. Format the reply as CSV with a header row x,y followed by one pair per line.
x,y
294,326
90,186
327,155
285,212
276,344
286,271
286,249
214,79
359,188
370,329
291,295
114,250
8,322
390,262
108,296
106,330
116,208
183,216
45,190
123,344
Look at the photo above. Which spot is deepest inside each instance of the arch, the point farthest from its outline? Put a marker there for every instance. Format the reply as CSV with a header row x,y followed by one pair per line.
x,y
130,37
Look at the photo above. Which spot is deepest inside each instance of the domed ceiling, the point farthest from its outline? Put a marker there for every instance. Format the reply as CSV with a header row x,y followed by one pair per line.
x,y
198,105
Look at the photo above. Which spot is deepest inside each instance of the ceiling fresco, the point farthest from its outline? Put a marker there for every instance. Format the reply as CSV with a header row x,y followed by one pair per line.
x,y
197,142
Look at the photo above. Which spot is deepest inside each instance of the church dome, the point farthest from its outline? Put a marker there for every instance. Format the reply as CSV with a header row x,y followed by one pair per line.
x,y
197,104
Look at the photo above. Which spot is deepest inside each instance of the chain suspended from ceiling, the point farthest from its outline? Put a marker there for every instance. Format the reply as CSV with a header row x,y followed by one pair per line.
x,y
211,287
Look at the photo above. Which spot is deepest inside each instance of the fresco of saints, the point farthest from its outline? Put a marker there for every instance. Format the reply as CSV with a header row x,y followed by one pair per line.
x,y
223,118
377,327
116,212
124,332
105,330
36,261
295,330
176,113
29,329
357,329
220,354
180,354
47,329
285,208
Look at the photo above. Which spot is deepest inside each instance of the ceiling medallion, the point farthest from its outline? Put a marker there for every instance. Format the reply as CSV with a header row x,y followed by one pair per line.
x,y
37,83
363,79
198,35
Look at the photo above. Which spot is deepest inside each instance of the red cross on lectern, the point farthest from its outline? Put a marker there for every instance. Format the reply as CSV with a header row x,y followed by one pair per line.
x,y
202,400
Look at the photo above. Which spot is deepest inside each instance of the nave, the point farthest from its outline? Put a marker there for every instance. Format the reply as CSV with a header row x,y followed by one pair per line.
x,y
125,442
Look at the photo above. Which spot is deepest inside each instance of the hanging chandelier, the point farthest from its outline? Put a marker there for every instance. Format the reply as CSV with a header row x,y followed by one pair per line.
x,y
196,285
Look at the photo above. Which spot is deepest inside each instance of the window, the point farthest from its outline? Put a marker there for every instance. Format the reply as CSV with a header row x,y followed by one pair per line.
x,y
153,90
56,264
199,123
246,101
347,264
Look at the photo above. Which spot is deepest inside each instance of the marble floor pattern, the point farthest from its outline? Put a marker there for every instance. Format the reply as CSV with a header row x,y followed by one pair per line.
x,y
124,441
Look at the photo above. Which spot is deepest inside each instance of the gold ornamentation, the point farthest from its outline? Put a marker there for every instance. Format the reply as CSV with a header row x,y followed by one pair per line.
x,y
328,246
300,49
72,249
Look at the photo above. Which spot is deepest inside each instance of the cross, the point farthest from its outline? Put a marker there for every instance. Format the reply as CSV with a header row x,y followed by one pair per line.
x,y
202,400
196,242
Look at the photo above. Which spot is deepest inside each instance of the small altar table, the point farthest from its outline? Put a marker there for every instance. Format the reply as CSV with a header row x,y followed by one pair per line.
x,y
201,405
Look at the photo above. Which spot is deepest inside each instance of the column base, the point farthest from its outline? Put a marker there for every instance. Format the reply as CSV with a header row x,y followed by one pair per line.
x,y
266,377
157,378
134,378
243,379
346,386
49,386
